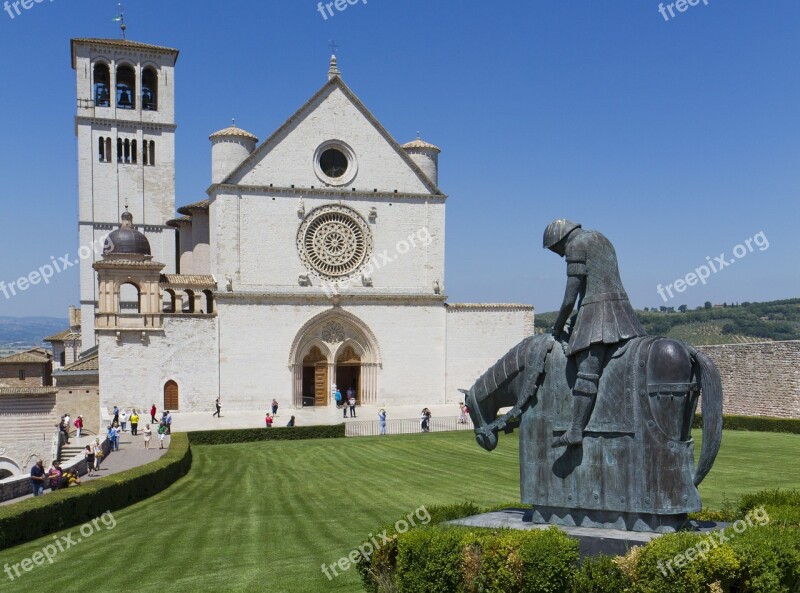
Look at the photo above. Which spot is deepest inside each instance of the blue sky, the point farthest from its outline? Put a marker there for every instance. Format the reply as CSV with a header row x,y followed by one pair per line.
x,y
678,139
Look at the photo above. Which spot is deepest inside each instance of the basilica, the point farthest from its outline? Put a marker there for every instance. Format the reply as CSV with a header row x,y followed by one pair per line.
x,y
316,259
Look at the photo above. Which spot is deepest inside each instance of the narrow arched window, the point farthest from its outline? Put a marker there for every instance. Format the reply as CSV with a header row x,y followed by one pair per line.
x,y
130,299
108,150
127,151
119,150
134,152
149,90
152,152
145,153
102,85
101,153
126,88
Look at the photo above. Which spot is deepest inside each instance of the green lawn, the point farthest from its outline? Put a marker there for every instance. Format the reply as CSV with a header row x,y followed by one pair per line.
x,y
265,517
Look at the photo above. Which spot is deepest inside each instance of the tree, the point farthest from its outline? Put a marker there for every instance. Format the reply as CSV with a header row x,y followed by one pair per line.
x,y
707,305
683,308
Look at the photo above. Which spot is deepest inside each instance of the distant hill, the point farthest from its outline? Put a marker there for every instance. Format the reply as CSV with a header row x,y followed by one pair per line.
x,y
21,333
729,324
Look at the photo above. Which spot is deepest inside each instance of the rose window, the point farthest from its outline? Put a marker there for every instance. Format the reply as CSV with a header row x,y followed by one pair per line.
x,y
334,241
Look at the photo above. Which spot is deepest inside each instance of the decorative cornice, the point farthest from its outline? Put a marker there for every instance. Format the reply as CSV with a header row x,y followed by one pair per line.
x,y
489,307
318,296
28,391
121,124
338,194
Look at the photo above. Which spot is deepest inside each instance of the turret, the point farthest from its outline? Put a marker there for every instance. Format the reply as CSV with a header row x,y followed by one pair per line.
x,y
426,157
229,148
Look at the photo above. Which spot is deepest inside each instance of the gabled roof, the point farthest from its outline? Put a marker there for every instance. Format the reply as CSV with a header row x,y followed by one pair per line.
x,y
32,356
92,363
187,210
63,336
335,81
188,280
121,43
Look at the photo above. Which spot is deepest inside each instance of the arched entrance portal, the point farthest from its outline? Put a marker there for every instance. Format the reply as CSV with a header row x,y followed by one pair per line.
x,y
8,469
171,399
334,348
348,372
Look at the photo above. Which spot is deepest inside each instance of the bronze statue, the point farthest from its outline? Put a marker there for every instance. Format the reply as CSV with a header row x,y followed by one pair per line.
x,y
605,411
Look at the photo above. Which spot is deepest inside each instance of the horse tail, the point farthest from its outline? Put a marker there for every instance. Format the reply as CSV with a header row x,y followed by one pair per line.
x,y
711,387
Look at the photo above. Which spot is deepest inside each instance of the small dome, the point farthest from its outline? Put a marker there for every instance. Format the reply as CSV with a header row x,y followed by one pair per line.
x,y
126,240
420,144
233,132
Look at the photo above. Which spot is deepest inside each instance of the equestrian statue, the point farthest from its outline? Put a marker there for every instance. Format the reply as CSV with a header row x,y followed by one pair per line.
x,y
605,411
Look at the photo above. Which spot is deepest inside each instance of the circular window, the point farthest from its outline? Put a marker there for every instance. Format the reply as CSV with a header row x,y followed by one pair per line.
x,y
334,242
335,163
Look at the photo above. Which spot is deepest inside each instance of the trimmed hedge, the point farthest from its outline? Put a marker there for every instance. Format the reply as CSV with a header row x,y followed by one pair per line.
x,y
252,435
759,553
38,516
755,424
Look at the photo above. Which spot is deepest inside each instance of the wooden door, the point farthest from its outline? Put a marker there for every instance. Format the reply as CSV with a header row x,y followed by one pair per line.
x,y
321,385
171,396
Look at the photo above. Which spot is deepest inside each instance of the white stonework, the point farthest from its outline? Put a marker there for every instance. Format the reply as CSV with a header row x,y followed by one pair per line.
x,y
317,259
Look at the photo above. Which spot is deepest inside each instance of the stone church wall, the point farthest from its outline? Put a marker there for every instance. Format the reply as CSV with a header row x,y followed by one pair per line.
x,y
477,337
133,374
759,379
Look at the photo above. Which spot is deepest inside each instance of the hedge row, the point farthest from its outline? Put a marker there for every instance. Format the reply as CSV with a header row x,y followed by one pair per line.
x,y
759,553
34,517
251,435
755,424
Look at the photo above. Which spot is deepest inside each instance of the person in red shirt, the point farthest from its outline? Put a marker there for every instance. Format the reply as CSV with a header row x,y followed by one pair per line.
x,y
79,425
268,420
153,414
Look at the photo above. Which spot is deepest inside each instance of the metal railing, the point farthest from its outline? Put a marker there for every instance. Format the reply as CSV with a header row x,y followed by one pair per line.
x,y
406,426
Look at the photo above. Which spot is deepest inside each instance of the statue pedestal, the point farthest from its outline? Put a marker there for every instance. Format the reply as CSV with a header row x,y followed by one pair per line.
x,y
593,540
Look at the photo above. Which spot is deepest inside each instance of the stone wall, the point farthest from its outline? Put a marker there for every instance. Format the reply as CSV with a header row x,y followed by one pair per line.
x,y
759,379
36,375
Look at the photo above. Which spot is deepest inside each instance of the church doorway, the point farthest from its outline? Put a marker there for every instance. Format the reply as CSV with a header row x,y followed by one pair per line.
x,y
348,373
315,378
171,396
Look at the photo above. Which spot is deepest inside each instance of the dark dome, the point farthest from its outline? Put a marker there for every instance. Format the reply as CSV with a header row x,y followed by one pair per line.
x,y
126,240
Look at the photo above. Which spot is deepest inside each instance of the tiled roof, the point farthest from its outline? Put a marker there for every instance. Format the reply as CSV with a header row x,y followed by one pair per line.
x,y
176,221
421,144
233,132
87,364
28,390
34,356
195,280
64,336
187,210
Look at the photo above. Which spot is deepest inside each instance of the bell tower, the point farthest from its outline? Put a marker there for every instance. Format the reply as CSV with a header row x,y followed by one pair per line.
x,y
125,125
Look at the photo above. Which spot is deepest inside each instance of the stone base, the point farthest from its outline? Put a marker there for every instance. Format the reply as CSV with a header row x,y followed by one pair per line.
x,y
641,522
593,540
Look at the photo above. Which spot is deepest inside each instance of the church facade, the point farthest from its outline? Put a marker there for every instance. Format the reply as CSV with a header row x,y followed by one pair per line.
x,y
316,260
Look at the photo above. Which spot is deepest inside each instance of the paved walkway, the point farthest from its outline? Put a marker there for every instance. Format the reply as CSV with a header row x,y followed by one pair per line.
x,y
131,454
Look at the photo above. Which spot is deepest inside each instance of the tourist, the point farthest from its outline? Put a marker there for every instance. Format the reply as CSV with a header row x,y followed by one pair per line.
x,y
88,455
54,474
67,420
425,420
162,432
290,424
116,415
462,417
153,411
148,432
78,425
69,477
351,401
134,423
337,395
123,420
268,420
37,478
218,406
97,447
169,422
382,421
274,407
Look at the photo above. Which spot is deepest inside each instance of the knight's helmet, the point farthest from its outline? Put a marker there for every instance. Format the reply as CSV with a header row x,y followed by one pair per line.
x,y
557,230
